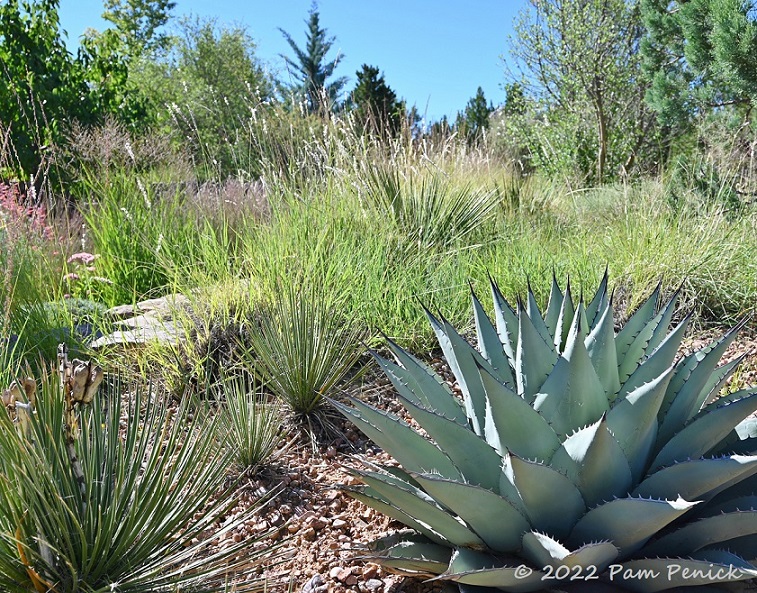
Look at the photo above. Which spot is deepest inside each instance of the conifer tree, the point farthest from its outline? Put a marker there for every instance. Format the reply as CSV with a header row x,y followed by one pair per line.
x,y
375,102
311,69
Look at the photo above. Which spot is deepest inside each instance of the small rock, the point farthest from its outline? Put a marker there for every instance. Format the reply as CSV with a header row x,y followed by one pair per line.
x,y
341,574
374,585
315,585
339,524
370,571
308,534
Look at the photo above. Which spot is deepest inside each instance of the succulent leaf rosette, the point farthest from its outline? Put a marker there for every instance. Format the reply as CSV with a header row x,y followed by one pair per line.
x,y
578,458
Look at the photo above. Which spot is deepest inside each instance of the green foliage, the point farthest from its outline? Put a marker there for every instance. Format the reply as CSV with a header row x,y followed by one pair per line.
x,y
473,122
146,514
639,447
304,346
375,103
699,57
579,65
209,90
311,70
249,426
138,22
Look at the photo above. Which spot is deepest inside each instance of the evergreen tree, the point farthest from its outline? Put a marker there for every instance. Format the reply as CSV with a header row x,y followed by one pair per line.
x,y
699,56
375,102
474,120
311,69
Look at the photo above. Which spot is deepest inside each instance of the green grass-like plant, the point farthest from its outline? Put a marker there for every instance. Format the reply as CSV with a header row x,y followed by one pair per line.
x,y
249,426
303,346
154,495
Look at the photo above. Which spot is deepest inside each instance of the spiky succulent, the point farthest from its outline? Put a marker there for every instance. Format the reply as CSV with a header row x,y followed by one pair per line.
x,y
577,456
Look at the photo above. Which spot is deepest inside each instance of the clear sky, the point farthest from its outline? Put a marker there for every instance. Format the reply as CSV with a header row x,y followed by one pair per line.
x,y
433,53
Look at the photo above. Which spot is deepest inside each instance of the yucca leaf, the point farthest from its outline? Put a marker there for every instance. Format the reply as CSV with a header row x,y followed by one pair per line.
x,y
470,567
689,386
704,533
462,357
594,461
513,425
489,344
627,522
409,448
418,505
476,506
634,326
552,314
692,574
599,301
697,479
542,550
633,422
600,344
658,361
506,320
537,484
478,462
534,358
411,556
703,434
423,384
572,395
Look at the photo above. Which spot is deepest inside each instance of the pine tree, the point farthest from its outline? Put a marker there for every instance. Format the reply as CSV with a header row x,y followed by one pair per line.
x,y
375,103
310,68
474,120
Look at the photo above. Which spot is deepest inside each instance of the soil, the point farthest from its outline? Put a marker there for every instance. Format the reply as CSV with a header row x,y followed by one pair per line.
x,y
322,533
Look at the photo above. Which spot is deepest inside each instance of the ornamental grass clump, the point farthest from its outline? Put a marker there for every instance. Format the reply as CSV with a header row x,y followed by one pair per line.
x,y
579,458
98,495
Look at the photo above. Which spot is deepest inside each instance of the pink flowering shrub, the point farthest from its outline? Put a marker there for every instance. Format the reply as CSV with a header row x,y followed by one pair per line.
x,y
81,279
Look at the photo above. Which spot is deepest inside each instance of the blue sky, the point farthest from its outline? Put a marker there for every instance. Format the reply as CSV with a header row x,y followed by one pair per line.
x,y
433,53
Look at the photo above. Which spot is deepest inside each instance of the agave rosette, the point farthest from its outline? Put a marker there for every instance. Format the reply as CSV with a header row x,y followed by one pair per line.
x,y
576,456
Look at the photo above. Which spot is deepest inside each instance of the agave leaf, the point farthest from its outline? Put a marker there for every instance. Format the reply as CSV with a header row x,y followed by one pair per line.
x,y
409,448
745,547
470,567
542,550
419,506
705,532
462,357
513,425
658,361
476,506
477,461
506,320
599,302
537,485
665,316
534,358
634,327
532,310
688,388
633,422
705,568
627,522
410,554
639,348
595,463
703,434
552,314
373,499
417,386
688,363
746,502
698,479
600,344
572,396
426,384
490,345
742,440
565,319
720,377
